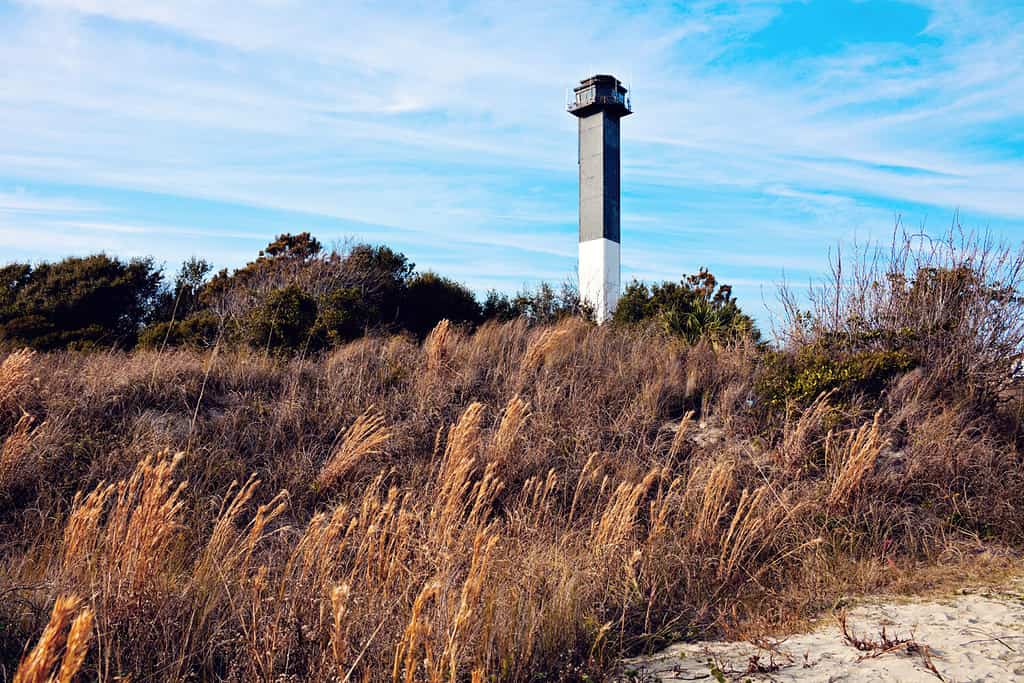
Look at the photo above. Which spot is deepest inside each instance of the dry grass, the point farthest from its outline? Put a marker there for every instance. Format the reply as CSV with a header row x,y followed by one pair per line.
x,y
852,461
503,506
15,376
62,647
15,451
364,438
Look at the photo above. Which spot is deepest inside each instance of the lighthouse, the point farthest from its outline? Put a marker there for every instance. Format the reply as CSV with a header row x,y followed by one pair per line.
x,y
599,102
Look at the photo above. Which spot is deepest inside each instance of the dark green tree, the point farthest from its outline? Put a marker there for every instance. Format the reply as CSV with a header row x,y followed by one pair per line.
x,y
93,301
430,298
380,275
542,305
181,299
343,315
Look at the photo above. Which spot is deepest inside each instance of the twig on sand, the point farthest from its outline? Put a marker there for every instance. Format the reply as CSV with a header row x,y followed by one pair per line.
x,y
998,639
886,644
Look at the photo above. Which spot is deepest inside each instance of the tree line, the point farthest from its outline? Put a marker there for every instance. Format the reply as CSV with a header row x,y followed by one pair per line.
x,y
297,295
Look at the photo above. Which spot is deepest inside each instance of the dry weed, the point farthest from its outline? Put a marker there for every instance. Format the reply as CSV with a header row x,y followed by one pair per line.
x,y
15,375
513,419
852,460
718,483
549,341
437,345
362,439
119,539
544,543
16,451
59,644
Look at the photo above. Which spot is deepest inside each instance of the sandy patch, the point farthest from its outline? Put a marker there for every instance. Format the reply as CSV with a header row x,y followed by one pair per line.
x,y
973,636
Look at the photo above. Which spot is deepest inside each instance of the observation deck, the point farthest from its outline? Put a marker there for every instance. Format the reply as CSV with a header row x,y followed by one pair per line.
x,y
600,93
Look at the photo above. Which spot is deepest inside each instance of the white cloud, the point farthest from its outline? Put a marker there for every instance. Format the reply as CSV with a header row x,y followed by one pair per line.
x,y
28,202
443,125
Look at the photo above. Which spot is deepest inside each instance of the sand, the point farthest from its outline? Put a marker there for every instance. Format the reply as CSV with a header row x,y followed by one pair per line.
x,y
976,635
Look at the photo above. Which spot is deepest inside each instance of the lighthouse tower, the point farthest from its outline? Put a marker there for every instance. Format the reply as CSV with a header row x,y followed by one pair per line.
x,y
599,103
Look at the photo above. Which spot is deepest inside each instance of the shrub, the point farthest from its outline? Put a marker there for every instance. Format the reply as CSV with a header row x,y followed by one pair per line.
x,y
346,292
952,305
182,299
697,307
543,305
343,315
801,377
95,301
200,330
283,321
430,298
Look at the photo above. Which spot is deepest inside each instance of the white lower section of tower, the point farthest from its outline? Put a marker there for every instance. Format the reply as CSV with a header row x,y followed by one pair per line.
x,y
599,276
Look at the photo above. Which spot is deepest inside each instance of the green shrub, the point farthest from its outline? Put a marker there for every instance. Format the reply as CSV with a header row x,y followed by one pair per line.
x,y
538,306
430,298
180,300
951,301
82,303
198,331
332,297
343,315
697,307
800,377
283,321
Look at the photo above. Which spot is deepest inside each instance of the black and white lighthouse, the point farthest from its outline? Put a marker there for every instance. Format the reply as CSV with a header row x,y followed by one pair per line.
x,y
599,103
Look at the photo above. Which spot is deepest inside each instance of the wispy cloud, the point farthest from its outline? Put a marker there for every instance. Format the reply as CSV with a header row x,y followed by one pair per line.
x,y
440,127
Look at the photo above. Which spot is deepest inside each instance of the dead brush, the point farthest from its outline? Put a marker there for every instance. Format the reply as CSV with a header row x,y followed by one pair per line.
x,y
886,644
548,342
708,491
874,648
15,376
119,538
364,438
438,345
804,437
64,642
16,452
850,460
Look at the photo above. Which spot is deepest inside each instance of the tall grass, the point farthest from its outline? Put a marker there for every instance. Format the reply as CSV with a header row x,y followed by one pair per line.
x,y
62,647
499,506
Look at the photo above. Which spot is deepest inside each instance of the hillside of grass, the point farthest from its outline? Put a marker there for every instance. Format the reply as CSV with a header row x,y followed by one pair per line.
x,y
517,501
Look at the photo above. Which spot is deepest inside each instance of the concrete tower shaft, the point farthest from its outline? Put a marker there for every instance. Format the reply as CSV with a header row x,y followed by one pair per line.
x,y
599,103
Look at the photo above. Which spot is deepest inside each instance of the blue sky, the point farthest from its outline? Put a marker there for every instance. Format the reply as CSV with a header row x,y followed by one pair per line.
x,y
764,134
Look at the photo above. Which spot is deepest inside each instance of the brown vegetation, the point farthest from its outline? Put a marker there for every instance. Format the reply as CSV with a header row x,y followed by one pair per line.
x,y
516,504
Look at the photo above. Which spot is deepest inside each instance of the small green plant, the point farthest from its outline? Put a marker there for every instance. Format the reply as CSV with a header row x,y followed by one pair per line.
x,y
799,377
